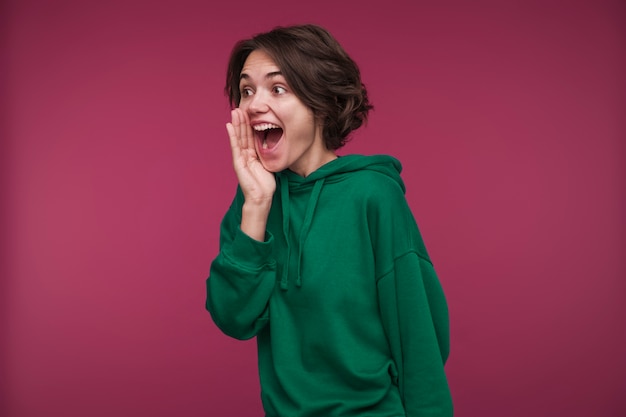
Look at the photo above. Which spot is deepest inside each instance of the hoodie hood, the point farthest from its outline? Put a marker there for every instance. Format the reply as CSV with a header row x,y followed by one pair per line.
x,y
337,168
333,171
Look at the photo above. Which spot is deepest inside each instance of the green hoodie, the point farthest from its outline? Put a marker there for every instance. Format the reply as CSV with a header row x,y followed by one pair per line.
x,y
349,315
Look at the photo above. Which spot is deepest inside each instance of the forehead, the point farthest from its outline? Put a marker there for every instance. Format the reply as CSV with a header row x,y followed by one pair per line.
x,y
259,63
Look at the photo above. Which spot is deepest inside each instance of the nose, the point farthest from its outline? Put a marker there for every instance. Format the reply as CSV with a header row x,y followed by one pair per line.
x,y
258,102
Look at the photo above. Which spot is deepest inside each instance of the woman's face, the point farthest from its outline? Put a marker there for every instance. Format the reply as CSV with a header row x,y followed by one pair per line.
x,y
286,133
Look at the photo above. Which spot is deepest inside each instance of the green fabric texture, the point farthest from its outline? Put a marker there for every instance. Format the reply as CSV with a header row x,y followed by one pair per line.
x,y
349,314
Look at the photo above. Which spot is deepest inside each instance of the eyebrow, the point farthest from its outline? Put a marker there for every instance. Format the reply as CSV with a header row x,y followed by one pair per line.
x,y
272,74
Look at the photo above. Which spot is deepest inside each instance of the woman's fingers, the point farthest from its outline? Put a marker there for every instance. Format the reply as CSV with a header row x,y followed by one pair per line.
x,y
246,130
234,128
241,136
256,182
234,140
241,130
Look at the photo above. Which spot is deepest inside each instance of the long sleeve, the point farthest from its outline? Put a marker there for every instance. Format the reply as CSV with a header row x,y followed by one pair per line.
x,y
412,305
241,278
415,315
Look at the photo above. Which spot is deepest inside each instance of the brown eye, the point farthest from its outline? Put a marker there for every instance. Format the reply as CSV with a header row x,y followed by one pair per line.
x,y
280,90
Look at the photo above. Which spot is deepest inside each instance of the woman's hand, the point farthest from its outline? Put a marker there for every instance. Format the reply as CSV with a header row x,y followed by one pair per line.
x,y
257,184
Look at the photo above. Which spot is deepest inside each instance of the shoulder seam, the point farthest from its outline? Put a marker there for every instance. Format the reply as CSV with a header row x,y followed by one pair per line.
x,y
392,267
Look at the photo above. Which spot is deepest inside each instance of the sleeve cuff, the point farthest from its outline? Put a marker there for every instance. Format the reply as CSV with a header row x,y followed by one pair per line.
x,y
250,252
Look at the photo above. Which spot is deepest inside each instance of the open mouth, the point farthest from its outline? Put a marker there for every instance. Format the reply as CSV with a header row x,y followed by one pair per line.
x,y
268,135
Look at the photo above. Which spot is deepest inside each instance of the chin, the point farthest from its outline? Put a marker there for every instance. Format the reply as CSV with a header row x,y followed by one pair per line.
x,y
272,167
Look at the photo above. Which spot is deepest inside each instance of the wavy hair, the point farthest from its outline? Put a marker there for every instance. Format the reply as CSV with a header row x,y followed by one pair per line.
x,y
317,69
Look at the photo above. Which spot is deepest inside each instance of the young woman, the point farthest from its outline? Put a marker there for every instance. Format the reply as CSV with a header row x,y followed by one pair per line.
x,y
320,256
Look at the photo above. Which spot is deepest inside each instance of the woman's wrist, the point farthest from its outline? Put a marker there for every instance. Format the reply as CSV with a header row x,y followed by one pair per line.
x,y
254,218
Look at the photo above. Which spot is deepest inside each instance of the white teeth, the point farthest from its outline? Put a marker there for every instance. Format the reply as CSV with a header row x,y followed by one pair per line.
x,y
265,126
264,146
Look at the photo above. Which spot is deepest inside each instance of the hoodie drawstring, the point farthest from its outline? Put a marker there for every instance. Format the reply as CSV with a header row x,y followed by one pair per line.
x,y
308,219
284,196
306,225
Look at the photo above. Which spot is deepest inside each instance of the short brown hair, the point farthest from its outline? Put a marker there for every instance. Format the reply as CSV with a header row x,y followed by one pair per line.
x,y
319,71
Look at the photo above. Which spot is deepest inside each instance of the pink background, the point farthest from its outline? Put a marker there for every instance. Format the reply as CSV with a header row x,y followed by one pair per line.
x,y
507,116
